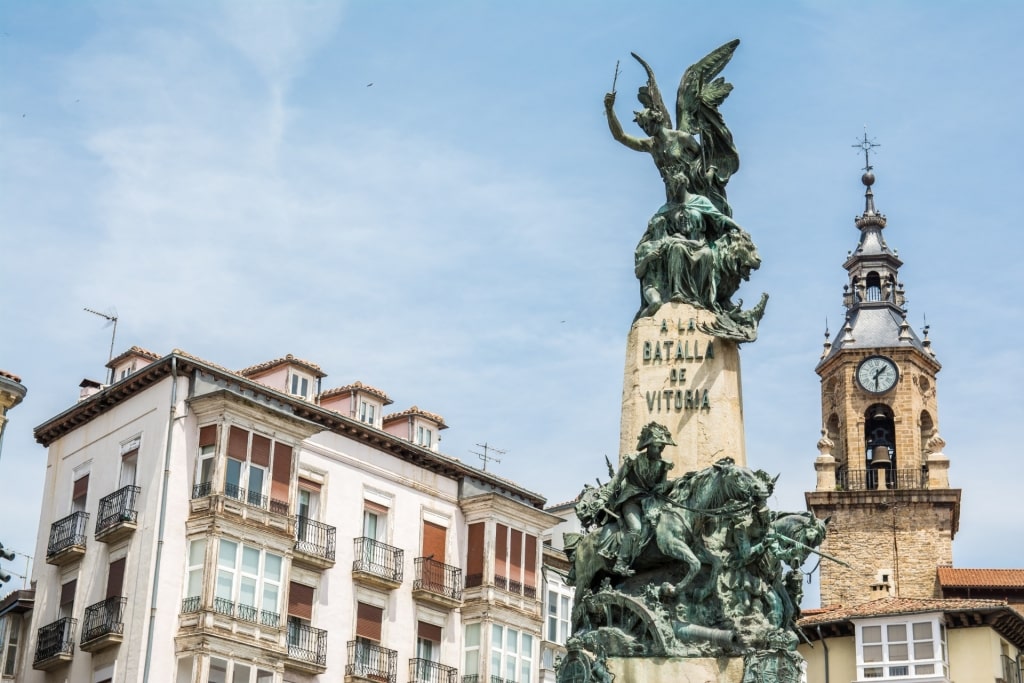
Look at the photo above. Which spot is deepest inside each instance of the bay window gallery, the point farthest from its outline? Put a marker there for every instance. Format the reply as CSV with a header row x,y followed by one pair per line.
x,y
256,469
246,581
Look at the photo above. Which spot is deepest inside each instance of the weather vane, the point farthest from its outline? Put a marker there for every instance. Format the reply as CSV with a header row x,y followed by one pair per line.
x,y
866,145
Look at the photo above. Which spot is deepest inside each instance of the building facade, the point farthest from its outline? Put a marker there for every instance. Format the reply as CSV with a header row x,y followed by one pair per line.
x,y
201,524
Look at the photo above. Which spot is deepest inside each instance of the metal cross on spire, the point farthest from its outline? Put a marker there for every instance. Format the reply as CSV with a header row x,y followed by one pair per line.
x,y
866,145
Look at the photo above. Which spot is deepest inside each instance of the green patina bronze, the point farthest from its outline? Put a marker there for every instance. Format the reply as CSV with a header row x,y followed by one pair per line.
x,y
693,251
697,566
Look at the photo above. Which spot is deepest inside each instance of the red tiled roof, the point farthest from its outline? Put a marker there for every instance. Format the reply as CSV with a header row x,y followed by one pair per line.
x,y
357,386
133,351
290,359
892,606
955,577
8,375
434,417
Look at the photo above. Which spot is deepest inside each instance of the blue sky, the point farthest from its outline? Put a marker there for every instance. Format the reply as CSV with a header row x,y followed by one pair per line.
x,y
425,197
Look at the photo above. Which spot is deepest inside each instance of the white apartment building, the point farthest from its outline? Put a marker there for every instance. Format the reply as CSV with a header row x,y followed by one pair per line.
x,y
205,525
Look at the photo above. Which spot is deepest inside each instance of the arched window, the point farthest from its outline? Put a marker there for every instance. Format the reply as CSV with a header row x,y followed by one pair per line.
x,y
880,447
874,287
927,429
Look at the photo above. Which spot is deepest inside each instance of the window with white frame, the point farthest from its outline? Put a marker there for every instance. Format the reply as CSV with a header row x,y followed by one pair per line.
x,y
10,633
257,469
194,564
424,436
901,647
367,412
220,670
511,654
248,583
300,385
559,612
471,650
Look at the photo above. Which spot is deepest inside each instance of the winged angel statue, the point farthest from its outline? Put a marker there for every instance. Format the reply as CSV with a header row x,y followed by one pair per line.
x,y
693,251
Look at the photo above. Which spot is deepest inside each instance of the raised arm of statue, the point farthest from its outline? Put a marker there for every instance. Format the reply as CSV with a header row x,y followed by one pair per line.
x,y
638,144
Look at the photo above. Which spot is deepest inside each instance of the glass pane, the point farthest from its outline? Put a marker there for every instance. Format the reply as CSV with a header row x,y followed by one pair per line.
x,y
224,583
524,669
206,468
923,630
552,602
250,560
872,634
873,672
228,553
256,476
924,650
234,474
924,669
195,583
472,663
898,652
495,662
896,632
184,671
510,668
196,551
247,592
512,640
497,635
270,597
218,670
565,606
872,653
241,674
473,635
553,629
369,524
527,645
272,567
264,676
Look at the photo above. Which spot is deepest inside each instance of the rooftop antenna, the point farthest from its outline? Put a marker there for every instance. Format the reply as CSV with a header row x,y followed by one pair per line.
x,y
111,318
485,457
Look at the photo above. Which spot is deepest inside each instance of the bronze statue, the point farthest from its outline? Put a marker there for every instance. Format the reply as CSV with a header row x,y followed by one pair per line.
x,y
693,251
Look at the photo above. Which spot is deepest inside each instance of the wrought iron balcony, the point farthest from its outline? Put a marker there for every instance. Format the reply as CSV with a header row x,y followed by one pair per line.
x,y
426,671
314,542
103,624
307,646
471,678
190,604
67,538
55,643
371,662
254,498
202,489
509,585
437,582
239,611
880,479
117,516
377,564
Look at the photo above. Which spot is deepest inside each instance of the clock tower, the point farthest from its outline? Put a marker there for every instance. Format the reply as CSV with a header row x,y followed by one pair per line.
x,y
881,473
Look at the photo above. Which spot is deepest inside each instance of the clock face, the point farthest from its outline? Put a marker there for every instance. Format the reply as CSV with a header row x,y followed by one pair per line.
x,y
877,374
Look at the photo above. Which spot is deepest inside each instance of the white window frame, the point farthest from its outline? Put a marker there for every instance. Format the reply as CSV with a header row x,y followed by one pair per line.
x,y
230,672
368,409
511,654
10,629
195,567
558,607
300,385
471,653
231,569
424,436
887,668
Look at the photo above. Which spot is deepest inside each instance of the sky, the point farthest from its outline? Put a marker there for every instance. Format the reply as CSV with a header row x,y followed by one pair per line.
x,y
425,197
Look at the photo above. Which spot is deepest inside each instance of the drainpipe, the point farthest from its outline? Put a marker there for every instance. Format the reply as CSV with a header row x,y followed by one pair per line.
x,y
824,645
163,516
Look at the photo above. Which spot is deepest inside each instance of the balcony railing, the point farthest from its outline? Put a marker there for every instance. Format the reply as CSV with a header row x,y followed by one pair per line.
x,y
880,479
67,533
509,585
118,508
190,604
243,612
471,678
56,639
314,538
379,559
438,577
426,671
307,644
371,661
104,618
474,580
202,489
247,496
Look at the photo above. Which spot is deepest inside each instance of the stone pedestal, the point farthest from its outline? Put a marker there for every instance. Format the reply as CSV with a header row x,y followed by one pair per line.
x,y
688,381
676,669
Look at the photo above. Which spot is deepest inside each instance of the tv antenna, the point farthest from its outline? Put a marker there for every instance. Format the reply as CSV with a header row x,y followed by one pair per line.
x,y
111,318
485,457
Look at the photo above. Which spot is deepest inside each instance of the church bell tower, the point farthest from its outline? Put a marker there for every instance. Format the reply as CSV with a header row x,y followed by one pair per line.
x,y
881,473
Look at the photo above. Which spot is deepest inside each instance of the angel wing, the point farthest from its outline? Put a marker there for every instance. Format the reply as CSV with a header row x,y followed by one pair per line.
x,y
697,100
649,95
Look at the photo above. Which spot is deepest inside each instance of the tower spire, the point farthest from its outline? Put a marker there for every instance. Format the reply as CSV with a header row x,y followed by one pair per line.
x,y
866,145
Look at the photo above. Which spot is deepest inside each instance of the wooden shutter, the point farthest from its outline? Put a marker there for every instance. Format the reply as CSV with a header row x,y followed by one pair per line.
x,y
375,508
282,472
238,443
368,621
428,632
300,601
515,555
530,562
260,451
115,578
130,453
80,488
475,550
434,541
500,550
307,484
208,436
67,592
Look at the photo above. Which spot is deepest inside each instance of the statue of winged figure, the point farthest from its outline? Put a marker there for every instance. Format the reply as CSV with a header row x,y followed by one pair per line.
x,y
700,146
693,251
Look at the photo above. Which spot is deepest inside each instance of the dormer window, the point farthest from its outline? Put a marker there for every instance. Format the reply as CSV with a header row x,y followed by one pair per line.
x,y
367,412
424,436
300,386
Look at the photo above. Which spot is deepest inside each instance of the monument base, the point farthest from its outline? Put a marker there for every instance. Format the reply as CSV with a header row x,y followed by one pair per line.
x,y
687,380
676,669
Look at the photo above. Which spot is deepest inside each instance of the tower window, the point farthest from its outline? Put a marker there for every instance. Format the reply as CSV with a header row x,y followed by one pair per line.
x,y
874,287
